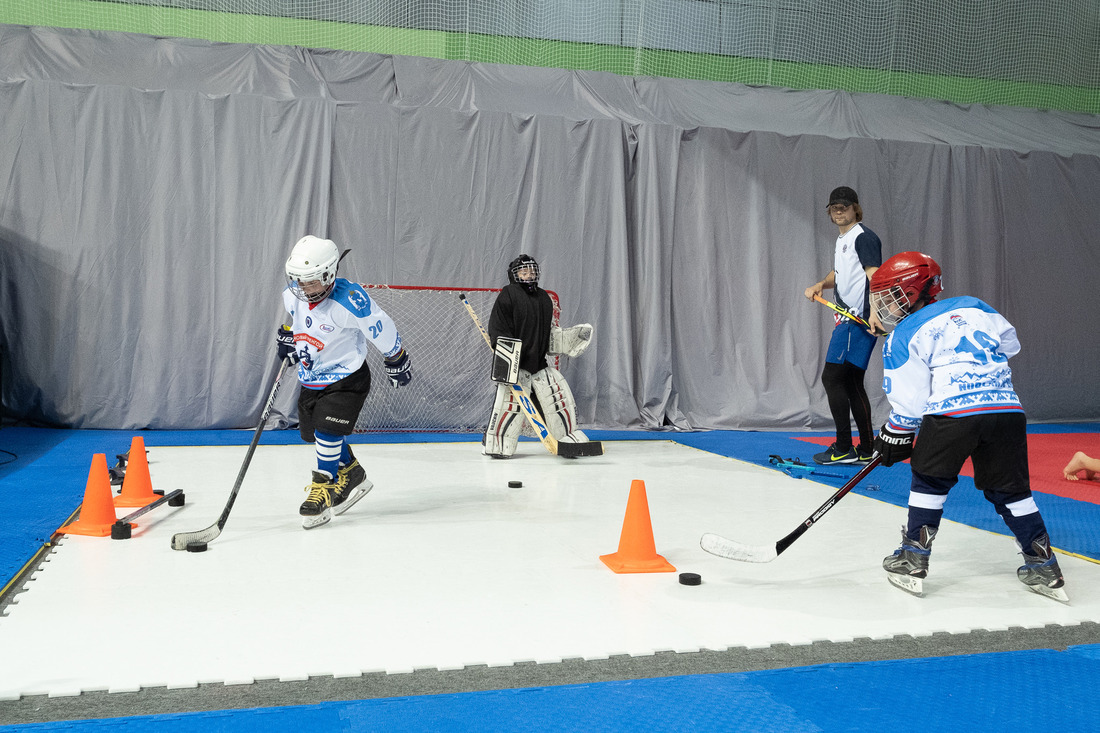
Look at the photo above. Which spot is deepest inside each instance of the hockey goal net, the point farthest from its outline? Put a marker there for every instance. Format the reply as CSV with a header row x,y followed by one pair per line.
x,y
450,390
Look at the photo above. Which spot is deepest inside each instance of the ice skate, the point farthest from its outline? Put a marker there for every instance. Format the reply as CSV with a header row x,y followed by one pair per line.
x,y
351,486
908,566
1040,572
317,508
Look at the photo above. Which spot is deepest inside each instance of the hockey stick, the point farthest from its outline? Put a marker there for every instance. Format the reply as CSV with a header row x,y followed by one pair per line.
x,y
847,314
181,540
565,450
734,550
790,465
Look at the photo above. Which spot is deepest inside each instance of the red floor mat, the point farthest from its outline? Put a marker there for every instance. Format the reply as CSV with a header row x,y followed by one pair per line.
x,y
1048,454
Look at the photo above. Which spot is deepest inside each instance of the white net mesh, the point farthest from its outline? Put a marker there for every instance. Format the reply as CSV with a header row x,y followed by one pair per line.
x,y
1036,53
450,390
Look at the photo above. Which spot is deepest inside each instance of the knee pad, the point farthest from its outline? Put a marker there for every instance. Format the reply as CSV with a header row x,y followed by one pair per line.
x,y
506,421
558,404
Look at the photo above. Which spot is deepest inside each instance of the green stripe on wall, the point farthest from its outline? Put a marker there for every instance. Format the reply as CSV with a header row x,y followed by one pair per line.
x,y
255,29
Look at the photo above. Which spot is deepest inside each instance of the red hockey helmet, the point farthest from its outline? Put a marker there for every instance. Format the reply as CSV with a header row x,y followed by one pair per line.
x,y
904,281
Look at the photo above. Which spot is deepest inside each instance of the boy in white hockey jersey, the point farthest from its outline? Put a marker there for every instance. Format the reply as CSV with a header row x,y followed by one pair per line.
x,y
946,374
332,320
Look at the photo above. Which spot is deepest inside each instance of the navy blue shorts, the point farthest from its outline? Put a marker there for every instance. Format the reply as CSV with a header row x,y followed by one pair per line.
x,y
850,343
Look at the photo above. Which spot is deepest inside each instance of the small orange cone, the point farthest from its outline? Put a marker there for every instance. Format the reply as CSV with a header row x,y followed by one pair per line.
x,y
97,513
637,552
137,486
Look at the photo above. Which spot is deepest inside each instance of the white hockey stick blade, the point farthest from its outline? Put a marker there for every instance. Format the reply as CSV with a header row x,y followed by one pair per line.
x,y
356,494
1056,593
316,521
733,550
907,583
181,540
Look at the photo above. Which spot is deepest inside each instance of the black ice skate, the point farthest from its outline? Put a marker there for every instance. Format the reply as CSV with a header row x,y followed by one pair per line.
x,y
317,508
908,566
1040,572
351,486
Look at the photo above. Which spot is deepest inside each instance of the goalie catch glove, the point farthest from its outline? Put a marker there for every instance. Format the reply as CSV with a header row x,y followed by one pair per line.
x,y
399,368
284,344
570,341
893,446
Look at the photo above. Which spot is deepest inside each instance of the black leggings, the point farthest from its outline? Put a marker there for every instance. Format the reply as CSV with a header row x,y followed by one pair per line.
x,y
848,399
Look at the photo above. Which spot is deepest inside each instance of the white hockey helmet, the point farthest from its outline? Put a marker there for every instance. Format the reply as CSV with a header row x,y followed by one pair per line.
x,y
311,268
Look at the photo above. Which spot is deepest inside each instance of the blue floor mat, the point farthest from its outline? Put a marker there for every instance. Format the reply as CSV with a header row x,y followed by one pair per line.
x,y
973,692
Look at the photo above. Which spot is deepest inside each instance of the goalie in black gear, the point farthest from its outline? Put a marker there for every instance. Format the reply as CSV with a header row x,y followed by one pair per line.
x,y
523,333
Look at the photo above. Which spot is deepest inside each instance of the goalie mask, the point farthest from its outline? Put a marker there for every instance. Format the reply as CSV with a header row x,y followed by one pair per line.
x,y
904,281
524,271
311,268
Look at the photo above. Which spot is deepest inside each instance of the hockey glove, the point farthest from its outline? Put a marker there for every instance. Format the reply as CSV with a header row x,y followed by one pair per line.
x,y
894,447
284,344
399,368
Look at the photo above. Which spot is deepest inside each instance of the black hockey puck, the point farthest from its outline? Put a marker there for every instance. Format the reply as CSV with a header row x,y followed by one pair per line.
x,y
121,530
690,579
196,547
515,484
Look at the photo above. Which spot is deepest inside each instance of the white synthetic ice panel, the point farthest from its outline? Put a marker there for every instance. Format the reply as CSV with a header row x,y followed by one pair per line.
x,y
444,566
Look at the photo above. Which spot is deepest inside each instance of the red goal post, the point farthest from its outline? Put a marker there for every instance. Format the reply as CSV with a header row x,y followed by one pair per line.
x,y
450,390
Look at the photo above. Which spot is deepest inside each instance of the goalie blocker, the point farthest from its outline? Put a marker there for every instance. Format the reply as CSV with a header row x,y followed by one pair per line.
x,y
506,360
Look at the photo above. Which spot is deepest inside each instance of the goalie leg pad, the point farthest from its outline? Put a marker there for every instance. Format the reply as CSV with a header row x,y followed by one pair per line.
x,y
506,422
558,405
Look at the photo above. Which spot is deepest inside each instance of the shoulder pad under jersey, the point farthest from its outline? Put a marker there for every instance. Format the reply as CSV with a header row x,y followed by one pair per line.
x,y
352,296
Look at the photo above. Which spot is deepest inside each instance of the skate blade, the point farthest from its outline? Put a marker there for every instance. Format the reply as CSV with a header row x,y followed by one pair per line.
x,y
1056,593
357,493
907,583
316,521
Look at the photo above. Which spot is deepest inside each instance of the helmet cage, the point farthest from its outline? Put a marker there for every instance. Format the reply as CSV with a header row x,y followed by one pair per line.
x,y
891,305
524,262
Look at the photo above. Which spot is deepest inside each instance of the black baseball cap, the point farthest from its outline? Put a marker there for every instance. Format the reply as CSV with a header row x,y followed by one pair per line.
x,y
843,195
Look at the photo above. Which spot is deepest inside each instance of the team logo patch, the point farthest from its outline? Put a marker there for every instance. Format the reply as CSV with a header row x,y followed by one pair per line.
x,y
309,321
958,320
327,328
359,301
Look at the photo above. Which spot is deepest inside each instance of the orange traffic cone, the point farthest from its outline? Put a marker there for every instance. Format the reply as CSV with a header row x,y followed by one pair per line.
x,y
137,486
637,553
97,513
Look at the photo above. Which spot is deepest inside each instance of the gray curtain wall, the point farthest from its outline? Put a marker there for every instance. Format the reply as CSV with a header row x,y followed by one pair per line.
x,y
150,190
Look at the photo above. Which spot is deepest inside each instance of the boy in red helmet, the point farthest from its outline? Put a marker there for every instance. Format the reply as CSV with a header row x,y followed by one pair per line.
x,y
946,374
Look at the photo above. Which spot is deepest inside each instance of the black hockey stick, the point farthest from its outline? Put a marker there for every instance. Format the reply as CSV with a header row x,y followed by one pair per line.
x,y
122,528
734,550
181,540
565,450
